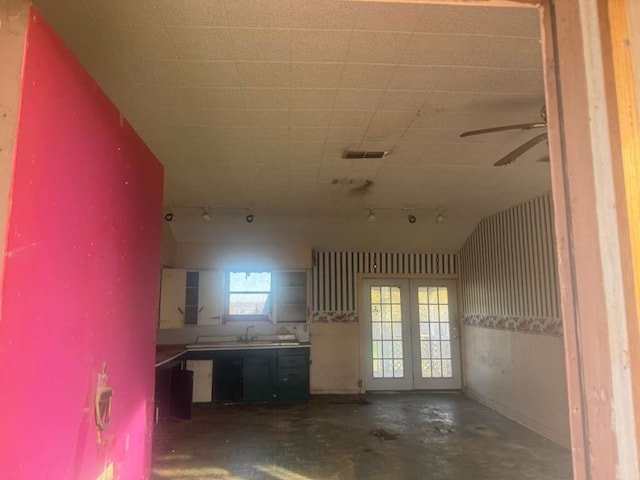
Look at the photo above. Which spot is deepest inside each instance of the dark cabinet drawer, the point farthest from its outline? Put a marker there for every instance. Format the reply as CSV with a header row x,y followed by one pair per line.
x,y
297,361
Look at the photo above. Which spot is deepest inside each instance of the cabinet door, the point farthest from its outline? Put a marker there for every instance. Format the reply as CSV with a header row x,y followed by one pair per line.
x,y
291,296
172,297
202,380
180,393
257,385
227,380
293,383
210,297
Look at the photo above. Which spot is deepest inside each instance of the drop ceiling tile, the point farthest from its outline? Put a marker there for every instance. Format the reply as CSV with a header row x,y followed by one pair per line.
x,y
315,75
201,43
505,102
171,97
473,50
266,98
351,118
349,136
319,45
268,118
447,101
312,98
269,135
140,12
259,13
229,134
211,74
310,134
141,40
392,120
218,97
222,117
280,150
202,13
415,78
261,44
365,76
517,22
389,17
350,99
310,118
467,79
399,100
263,74
377,47
384,135
324,14
152,71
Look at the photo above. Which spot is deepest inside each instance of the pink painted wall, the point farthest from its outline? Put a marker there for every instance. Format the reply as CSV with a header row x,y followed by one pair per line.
x,y
80,278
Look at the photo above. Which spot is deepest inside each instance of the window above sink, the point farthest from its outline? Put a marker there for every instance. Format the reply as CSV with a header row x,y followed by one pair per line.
x,y
248,296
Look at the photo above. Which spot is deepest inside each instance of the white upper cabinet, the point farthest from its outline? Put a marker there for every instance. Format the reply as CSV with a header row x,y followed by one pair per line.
x,y
172,297
191,297
291,296
210,297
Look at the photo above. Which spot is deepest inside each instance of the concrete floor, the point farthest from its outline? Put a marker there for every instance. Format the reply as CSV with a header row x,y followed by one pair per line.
x,y
383,436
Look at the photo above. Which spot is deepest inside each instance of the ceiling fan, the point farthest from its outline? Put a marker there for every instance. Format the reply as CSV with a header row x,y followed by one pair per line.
x,y
511,156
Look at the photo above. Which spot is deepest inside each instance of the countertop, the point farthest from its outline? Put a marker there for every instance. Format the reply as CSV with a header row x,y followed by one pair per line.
x,y
168,353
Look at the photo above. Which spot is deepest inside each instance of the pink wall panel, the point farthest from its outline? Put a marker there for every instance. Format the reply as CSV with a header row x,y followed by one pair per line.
x,y
80,279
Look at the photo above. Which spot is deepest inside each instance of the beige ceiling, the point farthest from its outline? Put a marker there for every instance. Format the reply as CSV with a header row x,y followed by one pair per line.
x,y
251,103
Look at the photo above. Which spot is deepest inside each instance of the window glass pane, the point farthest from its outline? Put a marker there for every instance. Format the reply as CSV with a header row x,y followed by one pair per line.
x,y
396,313
426,368
375,314
435,349
435,331
424,331
433,313
423,298
375,294
446,349
376,331
423,312
386,313
385,294
377,368
447,370
444,331
444,313
398,369
249,281
433,294
386,331
248,303
425,350
443,297
395,295
397,349
377,349
387,368
397,331
436,368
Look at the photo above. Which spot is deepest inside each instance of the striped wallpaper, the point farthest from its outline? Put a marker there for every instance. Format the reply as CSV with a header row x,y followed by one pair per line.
x,y
508,264
334,273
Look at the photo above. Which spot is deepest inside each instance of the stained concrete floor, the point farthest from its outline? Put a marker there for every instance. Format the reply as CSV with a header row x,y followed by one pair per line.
x,y
382,436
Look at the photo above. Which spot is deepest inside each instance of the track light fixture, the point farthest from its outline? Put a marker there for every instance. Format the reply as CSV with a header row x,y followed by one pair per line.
x,y
412,219
249,218
169,217
205,216
439,217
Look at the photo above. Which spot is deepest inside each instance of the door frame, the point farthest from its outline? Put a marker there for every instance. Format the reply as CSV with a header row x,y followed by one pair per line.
x,y
593,104
360,277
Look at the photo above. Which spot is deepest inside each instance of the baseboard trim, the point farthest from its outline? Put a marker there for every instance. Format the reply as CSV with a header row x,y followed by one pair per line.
x,y
548,432
334,391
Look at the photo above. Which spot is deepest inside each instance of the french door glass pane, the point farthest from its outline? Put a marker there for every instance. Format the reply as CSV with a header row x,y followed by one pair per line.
x,y
435,341
386,332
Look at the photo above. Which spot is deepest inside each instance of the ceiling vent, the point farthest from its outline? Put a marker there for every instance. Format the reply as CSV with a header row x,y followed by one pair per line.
x,y
360,154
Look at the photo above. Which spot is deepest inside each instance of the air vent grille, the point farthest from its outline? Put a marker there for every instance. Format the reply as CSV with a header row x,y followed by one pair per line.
x,y
361,154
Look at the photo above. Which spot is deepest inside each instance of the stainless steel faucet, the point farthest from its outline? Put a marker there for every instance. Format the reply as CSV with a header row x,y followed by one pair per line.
x,y
246,333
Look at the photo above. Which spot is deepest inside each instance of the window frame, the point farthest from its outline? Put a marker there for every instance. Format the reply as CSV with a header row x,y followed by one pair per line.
x,y
251,318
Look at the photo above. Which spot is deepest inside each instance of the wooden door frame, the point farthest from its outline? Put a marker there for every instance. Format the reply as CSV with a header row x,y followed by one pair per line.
x,y
590,49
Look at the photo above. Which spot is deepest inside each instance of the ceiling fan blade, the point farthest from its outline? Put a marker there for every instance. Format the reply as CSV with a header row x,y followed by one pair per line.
x,y
511,156
519,126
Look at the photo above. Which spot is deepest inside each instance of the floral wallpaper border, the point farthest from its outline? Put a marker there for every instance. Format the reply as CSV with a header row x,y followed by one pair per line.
x,y
540,326
334,317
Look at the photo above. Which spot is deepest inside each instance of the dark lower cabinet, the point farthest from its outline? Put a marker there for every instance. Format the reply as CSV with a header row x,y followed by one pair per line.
x,y
227,380
257,383
258,375
173,393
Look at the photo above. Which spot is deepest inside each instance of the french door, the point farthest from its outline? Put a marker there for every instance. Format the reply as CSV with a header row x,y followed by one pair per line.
x,y
409,334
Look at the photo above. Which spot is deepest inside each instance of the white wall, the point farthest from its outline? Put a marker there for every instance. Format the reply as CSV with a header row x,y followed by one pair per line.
x,y
513,353
521,376
335,359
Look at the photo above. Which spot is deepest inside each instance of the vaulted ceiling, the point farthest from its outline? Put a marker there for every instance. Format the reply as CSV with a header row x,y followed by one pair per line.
x,y
250,104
